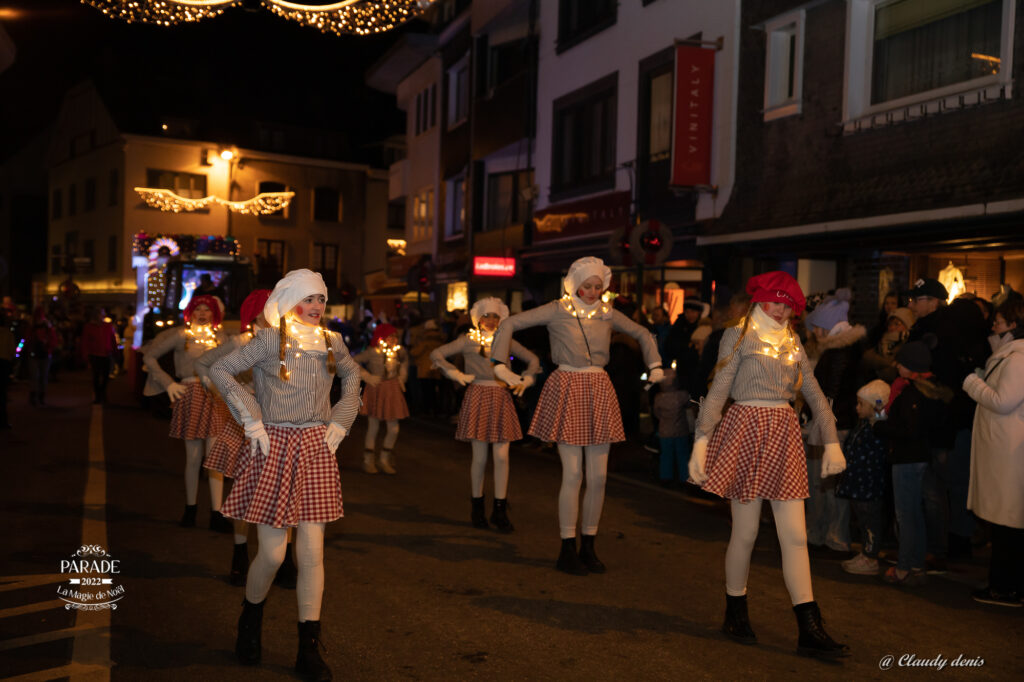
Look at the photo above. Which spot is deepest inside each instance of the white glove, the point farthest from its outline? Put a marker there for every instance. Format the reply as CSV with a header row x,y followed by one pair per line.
x,y
371,379
333,436
461,378
656,376
190,380
175,391
528,381
257,435
832,462
698,458
508,376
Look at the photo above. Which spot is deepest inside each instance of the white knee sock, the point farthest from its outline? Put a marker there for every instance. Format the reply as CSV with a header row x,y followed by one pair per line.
x,y
392,434
193,462
796,567
500,470
597,476
309,556
746,520
216,488
372,424
268,559
478,468
569,494
241,531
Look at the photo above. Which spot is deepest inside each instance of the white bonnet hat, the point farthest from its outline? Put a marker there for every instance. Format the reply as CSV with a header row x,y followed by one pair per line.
x,y
583,269
292,288
488,305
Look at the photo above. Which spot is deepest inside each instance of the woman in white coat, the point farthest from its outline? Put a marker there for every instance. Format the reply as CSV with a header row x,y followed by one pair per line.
x,y
996,491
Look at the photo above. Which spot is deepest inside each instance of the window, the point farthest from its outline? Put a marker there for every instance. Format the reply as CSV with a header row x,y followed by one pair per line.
x,y
508,198
458,92
327,204
269,261
56,260
90,194
783,74
505,61
396,214
57,210
423,214
72,199
188,185
584,139
580,19
86,262
659,118
325,261
271,186
115,187
112,254
426,109
455,206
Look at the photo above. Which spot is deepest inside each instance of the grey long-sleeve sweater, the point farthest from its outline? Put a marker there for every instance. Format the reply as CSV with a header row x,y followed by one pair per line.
x,y
304,399
478,365
185,355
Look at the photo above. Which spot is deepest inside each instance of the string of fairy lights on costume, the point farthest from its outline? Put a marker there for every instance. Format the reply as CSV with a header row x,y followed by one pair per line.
x,y
264,203
294,335
202,335
567,303
362,17
484,340
785,349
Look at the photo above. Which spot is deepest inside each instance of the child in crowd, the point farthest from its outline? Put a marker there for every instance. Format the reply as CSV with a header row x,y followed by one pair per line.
x,y
673,429
915,407
863,482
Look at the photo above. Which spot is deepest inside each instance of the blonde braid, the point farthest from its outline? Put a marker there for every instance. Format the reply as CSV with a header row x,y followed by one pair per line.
x,y
799,369
284,373
331,366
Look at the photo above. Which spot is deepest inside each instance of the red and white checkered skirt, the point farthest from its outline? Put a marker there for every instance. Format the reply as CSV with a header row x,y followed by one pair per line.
x,y
578,408
488,415
220,417
297,482
192,416
227,449
756,452
384,401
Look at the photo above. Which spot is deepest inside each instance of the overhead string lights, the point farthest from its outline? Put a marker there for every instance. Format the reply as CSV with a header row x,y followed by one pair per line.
x,y
362,17
261,204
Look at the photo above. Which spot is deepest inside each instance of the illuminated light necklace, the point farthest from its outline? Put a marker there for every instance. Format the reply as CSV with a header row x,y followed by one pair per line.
x,y
305,337
777,346
478,336
202,335
567,303
390,352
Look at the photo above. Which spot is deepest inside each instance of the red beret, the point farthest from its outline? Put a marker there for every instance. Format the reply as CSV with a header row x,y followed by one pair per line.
x,y
211,302
252,306
382,332
776,287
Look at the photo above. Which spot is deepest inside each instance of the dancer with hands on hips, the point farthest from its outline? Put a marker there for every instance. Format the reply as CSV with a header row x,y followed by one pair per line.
x,y
385,368
755,452
487,417
289,478
577,407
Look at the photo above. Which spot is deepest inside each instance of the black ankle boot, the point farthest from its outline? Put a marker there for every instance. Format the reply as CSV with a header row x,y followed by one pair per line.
x,y
248,647
188,519
286,573
737,623
588,556
499,517
239,564
478,516
814,641
308,662
568,561
220,524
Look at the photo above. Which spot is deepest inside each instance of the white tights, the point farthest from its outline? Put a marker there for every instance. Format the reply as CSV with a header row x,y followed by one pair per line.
x,y
572,477
792,530
194,451
478,468
389,437
309,558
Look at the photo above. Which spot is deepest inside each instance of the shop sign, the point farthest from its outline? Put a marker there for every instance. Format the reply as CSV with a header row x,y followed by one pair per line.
x,y
494,267
691,125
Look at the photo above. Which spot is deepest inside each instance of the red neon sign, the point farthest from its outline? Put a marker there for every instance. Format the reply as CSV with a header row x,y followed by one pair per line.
x,y
494,267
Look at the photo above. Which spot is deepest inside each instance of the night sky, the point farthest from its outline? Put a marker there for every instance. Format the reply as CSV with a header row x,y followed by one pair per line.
x,y
226,71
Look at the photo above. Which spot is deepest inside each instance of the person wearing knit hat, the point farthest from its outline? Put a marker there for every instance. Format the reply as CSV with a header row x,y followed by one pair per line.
x,y
288,478
881,359
863,482
384,368
487,417
578,408
195,417
755,452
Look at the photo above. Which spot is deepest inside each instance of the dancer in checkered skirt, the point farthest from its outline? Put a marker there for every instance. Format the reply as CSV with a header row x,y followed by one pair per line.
x,y
487,415
289,477
231,445
193,419
755,453
577,407
385,368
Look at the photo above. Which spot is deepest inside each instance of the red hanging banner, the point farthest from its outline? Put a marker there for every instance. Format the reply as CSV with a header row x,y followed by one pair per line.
x,y
691,124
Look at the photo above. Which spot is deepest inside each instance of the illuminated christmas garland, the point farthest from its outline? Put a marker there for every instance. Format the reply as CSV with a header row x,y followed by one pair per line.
x,y
362,17
261,204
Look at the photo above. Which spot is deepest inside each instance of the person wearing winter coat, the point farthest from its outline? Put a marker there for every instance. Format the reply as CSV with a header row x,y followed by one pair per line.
x,y
996,491
879,361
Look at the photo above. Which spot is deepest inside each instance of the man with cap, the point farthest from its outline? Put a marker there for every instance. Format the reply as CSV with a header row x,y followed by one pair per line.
x,y
678,344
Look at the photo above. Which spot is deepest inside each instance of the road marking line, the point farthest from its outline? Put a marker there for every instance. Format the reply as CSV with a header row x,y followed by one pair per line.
x,y
75,670
21,582
41,637
31,608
